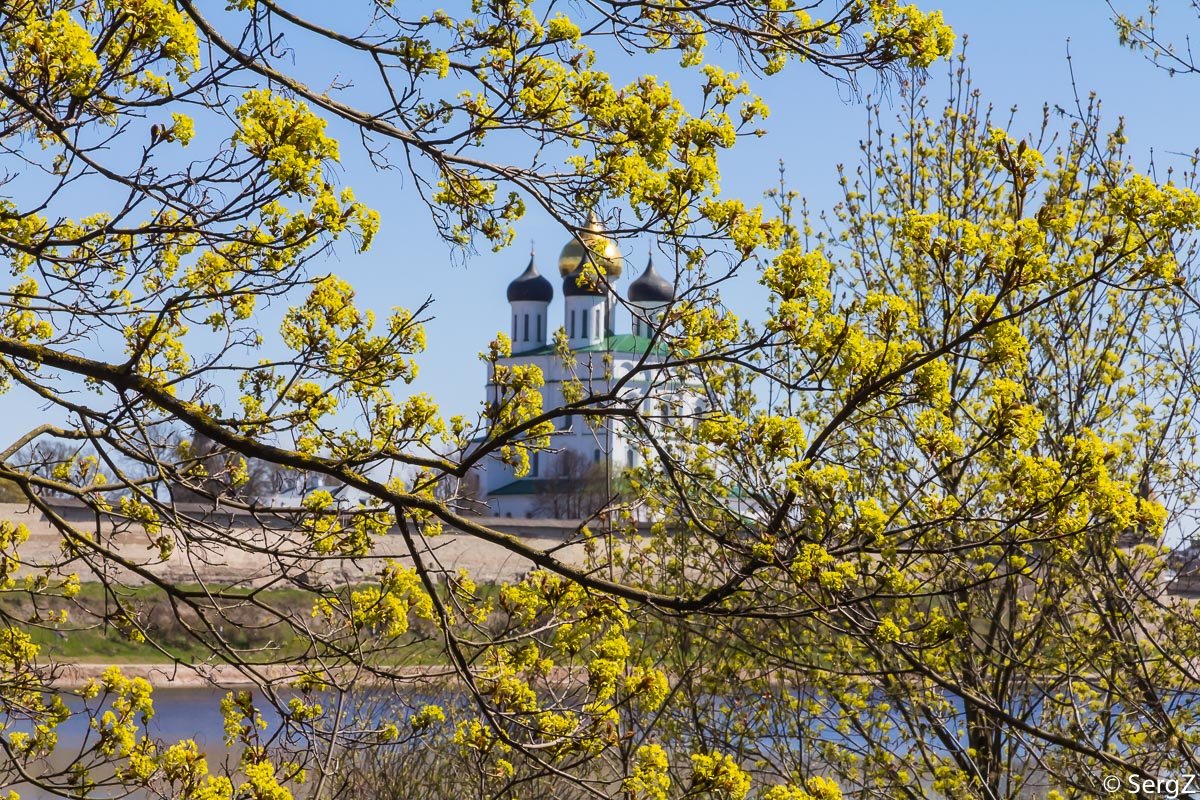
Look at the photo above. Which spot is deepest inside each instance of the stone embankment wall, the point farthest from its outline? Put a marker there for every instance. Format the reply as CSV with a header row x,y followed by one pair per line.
x,y
230,547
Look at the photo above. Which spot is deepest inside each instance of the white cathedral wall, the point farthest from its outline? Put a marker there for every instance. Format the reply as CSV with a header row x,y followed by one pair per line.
x,y
584,321
614,447
645,317
517,507
528,324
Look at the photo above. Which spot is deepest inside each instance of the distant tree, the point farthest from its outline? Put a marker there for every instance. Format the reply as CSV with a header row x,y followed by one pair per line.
x,y
574,487
207,470
10,492
48,457
463,494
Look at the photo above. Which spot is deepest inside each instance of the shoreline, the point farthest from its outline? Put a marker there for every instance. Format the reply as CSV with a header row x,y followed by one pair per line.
x,y
169,677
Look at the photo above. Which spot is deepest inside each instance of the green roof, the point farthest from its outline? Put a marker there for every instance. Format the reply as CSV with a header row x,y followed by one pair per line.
x,y
623,343
526,486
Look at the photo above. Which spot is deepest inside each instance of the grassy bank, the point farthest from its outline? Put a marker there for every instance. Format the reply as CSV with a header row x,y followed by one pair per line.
x,y
142,626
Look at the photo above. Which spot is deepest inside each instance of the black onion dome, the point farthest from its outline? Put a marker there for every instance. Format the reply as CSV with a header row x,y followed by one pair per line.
x,y
650,287
573,287
530,286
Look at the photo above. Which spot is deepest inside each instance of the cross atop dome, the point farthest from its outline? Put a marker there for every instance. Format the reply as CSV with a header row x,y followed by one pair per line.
x,y
530,285
594,244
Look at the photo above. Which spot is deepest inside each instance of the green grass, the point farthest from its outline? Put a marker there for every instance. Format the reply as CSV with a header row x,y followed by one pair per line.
x,y
93,630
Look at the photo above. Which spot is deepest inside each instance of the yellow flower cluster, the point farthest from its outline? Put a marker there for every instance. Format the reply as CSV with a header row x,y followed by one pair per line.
x,y
288,137
382,612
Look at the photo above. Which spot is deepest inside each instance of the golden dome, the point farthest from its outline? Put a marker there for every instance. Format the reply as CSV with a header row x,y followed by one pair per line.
x,y
600,248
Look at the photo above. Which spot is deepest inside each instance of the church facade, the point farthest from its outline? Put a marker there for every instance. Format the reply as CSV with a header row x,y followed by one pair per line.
x,y
609,338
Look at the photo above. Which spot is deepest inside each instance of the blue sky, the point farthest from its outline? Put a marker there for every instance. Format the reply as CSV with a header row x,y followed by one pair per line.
x,y
1017,55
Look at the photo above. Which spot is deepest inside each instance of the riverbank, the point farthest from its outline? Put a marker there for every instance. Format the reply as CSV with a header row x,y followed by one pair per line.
x,y
227,676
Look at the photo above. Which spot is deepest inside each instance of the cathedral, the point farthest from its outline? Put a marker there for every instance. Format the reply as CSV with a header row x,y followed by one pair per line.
x,y
582,457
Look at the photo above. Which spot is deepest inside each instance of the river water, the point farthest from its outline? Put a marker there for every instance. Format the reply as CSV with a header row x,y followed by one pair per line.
x,y
195,714
179,714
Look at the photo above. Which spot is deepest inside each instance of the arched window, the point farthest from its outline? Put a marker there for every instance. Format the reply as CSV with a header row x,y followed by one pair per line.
x,y
527,327
572,323
541,334
599,330
584,333
514,333
631,457
596,457
533,465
